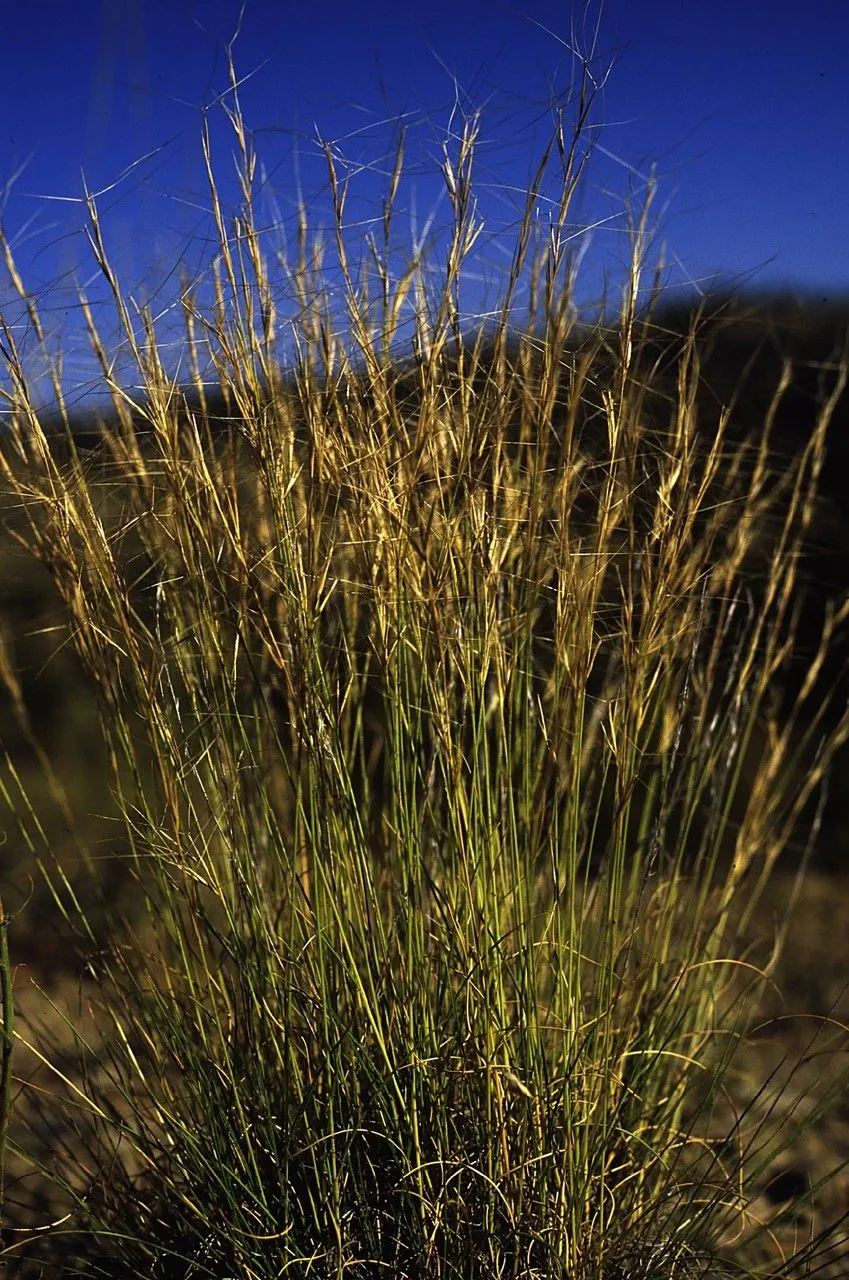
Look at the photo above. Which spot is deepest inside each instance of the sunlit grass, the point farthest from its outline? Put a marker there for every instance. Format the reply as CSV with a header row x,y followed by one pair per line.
x,y
439,705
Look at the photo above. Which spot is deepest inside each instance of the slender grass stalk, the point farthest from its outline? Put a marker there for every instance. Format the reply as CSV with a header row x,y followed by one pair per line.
x,y
7,1050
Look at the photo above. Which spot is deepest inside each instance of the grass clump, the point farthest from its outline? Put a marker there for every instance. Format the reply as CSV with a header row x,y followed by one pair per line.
x,y
439,699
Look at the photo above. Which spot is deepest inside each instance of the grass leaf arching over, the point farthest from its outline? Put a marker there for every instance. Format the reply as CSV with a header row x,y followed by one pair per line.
x,y
440,710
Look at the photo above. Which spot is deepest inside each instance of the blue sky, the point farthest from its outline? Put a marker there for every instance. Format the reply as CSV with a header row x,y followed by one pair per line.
x,y
742,108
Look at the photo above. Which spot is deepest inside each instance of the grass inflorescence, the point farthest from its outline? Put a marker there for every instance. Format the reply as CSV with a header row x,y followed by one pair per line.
x,y
441,702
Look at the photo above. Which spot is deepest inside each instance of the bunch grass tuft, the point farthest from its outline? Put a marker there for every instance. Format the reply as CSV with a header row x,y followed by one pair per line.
x,y
439,700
